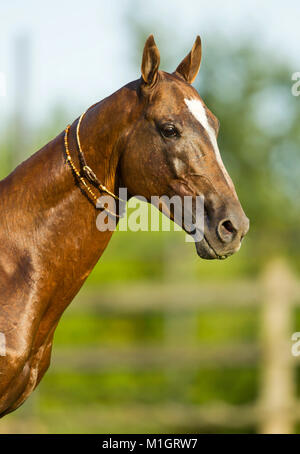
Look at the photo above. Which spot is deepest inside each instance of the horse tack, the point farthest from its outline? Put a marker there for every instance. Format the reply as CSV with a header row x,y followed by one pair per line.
x,y
86,172
148,137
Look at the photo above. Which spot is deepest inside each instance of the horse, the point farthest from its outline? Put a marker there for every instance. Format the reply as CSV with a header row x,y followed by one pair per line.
x,y
153,136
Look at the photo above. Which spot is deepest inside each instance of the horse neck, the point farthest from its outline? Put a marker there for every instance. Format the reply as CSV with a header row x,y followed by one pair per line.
x,y
46,210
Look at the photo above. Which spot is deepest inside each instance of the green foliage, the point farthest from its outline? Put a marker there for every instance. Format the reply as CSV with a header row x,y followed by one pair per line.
x,y
93,328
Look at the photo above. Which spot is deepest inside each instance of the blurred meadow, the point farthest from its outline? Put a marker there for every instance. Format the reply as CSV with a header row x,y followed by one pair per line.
x,y
158,340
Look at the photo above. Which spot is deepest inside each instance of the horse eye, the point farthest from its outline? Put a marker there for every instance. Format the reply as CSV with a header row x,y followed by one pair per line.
x,y
169,131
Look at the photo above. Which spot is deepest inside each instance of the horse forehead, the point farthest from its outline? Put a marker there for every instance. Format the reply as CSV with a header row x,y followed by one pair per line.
x,y
171,93
170,100
197,108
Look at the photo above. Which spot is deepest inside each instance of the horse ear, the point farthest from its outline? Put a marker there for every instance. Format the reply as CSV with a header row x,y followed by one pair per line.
x,y
150,62
189,67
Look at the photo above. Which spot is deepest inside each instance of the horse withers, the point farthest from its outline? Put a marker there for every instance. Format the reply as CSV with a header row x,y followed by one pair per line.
x,y
154,136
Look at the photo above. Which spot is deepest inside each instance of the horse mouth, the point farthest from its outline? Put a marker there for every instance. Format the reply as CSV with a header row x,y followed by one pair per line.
x,y
204,248
206,251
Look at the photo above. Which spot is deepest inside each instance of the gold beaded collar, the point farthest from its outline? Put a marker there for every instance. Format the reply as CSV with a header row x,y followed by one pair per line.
x,y
87,173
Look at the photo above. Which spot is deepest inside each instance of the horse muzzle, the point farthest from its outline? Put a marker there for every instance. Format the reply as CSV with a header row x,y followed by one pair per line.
x,y
223,234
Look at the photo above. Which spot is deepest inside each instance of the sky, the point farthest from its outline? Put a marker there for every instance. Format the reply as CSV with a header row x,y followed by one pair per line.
x,y
81,51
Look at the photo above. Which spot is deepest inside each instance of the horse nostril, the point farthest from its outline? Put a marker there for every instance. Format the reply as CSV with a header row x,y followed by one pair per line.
x,y
228,226
226,231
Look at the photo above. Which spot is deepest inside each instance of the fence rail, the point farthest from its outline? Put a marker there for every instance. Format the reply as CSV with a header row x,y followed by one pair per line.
x,y
174,297
208,417
149,357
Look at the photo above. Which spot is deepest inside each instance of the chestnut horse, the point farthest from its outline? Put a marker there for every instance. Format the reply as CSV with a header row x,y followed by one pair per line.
x,y
154,136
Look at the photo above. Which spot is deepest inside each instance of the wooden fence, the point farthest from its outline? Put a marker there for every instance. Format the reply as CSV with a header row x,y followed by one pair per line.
x,y
276,294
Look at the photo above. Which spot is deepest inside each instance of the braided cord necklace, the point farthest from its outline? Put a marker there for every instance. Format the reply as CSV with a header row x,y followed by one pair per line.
x,y
86,173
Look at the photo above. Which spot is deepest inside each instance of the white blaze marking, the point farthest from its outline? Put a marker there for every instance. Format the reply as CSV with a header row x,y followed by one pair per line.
x,y
197,109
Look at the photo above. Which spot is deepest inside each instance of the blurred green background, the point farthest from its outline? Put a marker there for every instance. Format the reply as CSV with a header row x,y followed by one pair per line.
x,y
159,340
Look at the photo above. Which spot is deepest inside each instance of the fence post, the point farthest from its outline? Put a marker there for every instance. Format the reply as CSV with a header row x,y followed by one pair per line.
x,y
277,390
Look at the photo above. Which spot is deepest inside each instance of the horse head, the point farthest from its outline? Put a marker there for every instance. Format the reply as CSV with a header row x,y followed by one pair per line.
x,y
172,150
